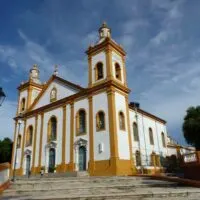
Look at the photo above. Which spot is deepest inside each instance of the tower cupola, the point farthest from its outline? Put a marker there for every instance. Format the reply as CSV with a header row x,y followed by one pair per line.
x,y
34,74
104,31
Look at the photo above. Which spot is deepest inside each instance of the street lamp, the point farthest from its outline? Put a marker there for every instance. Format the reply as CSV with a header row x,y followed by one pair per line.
x,y
19,122
2,96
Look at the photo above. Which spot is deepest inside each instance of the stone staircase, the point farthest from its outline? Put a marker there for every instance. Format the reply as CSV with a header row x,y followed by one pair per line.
x,y
97,188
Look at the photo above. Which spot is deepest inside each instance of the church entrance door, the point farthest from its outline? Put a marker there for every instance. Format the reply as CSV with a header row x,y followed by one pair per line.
x,y
52,156
82,158
28,164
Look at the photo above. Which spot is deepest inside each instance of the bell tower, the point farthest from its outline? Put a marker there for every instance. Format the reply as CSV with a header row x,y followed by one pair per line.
x,y
106,60
107,71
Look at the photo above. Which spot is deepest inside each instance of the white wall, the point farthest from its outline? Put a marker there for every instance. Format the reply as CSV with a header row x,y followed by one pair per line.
x,y
62,92
144,146
123,142
58,113
82,104
100,102
4,176
101,57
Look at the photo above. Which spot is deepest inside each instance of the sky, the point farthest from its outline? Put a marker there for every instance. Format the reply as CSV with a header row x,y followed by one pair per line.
x,y
161,38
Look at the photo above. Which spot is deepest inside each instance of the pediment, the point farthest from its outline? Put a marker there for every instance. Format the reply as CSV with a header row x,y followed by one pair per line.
x,y
81,142
51,144
57,85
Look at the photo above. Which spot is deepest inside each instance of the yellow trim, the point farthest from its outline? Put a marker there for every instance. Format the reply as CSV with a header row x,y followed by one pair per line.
x,y
22,152
14,145
64,139
109,63
105,168
124,71
133,168
98,120
71,165
30,89
34,145
89,71
91,136
113,130
77,122
41,136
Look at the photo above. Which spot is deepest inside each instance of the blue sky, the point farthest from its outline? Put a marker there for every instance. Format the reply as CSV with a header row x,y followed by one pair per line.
x,y
161,38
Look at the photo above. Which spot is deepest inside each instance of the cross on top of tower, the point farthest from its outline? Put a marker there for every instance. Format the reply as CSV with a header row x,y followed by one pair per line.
x,y
55,70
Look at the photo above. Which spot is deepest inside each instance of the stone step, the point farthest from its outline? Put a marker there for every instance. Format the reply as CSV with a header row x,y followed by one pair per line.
x,y
47,178
64,185
156,194
57,186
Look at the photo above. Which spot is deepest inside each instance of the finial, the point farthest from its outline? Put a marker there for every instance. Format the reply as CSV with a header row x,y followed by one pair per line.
x,y
104,31
35,66
55,70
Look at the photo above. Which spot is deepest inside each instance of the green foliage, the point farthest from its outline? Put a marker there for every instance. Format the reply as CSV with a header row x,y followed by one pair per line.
x,y
5,150
191,126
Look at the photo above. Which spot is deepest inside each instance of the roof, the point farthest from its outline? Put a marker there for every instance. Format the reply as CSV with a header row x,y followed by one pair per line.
x,y
148,114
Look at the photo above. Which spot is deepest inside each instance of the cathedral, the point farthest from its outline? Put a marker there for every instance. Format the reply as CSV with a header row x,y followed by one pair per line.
x,y
62,127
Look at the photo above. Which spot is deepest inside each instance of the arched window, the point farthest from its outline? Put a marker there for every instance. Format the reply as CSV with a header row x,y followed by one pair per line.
x,y
151,136
163,139
138,158
23,102
53,95
19,141
121,121
52,129
29,137
118,72
135,132
99,71
100,121
81,122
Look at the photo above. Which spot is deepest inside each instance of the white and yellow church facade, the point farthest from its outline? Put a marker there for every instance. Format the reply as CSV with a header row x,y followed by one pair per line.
x,y
62,127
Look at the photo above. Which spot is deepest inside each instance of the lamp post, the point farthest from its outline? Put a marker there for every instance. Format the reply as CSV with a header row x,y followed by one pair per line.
x,y
19,125
2,96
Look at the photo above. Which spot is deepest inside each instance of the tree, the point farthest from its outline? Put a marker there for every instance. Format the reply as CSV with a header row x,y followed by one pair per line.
x,y
191,126
5,150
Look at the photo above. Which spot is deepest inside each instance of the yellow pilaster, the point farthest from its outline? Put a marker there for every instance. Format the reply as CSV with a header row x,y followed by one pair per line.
x,y
90,71
113,131
41,137
109,63
63,166
91,136
34,144
71,165
22,153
